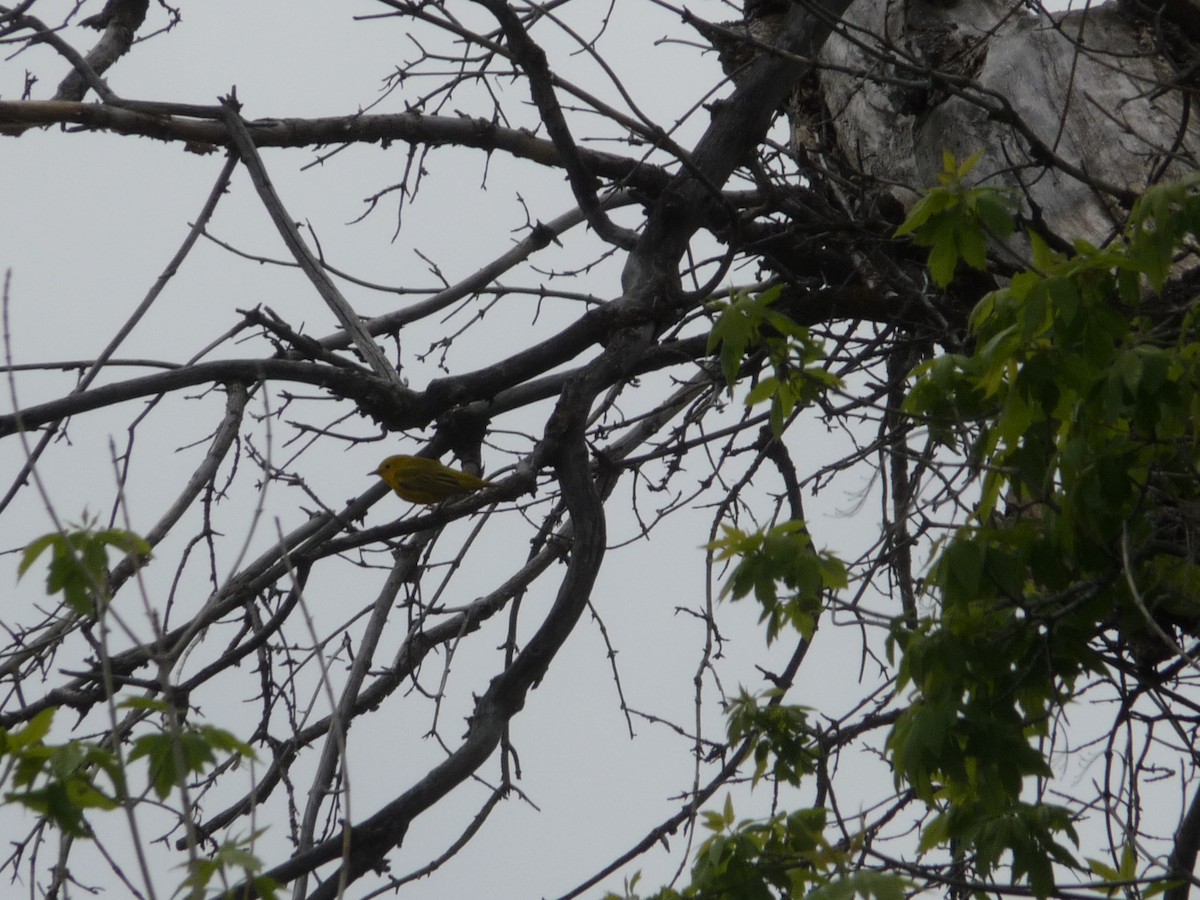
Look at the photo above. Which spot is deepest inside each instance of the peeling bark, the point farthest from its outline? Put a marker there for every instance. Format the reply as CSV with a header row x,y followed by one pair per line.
x,y
1079,111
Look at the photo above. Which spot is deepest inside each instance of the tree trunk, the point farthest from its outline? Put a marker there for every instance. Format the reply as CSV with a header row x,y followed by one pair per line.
x,y
1079,111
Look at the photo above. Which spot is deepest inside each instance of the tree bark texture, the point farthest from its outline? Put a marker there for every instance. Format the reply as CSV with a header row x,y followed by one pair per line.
x,y
1079,111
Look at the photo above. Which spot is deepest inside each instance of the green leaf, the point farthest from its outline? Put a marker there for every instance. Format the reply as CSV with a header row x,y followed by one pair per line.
x,y
929,206
972,247
764,390
994,214
172,756
78,565
1044,259
33,733
967,166
964,567
35,549
943,260
1108,873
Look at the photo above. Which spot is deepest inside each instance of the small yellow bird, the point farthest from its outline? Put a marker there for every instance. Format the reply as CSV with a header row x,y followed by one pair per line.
x,y
426,481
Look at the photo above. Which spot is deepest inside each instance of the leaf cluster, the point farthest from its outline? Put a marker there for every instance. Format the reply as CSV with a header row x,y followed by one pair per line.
x,y
58,782
230,856
748,327
783,571
61,783
783,856
1077,409
174,752
779,734
1082,401
956,221
79,563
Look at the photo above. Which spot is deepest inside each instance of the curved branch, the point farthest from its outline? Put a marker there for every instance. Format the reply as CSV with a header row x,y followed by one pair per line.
x,y
120,20
584,184
82,69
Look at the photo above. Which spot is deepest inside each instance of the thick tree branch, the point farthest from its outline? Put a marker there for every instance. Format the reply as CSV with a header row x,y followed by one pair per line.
x,y
175,122
371,392
120,20
1182,863
738,126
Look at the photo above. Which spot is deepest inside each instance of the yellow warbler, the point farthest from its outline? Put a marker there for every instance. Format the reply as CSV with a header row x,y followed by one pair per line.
x,y
420,480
